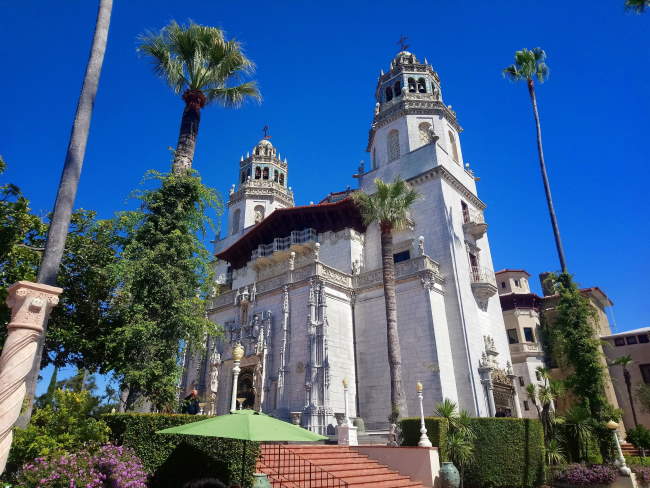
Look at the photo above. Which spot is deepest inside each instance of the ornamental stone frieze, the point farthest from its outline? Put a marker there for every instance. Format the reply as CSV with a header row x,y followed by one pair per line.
x,y
263,188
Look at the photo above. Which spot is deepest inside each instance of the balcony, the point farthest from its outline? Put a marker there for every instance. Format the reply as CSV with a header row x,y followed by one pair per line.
x,y
296,238
474,223
484,285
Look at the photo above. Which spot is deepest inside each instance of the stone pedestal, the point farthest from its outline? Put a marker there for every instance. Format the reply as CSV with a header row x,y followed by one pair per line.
x,y
347,435
30,305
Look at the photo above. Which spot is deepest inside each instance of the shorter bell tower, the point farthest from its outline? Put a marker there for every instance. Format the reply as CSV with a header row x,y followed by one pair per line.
x,y
262,187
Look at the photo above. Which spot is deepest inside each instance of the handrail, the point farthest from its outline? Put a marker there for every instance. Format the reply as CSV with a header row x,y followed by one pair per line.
x,y
286,469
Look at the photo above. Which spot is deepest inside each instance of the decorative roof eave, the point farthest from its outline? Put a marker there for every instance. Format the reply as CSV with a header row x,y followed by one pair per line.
x,y
444,173
411,107
508,270
322,217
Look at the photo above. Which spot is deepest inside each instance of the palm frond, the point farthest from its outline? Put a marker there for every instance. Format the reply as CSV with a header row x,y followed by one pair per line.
x,y
529,64
389,205
637,6
234,96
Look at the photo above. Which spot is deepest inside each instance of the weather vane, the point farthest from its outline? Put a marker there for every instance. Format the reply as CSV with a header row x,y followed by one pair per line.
x,y
265,129
402,43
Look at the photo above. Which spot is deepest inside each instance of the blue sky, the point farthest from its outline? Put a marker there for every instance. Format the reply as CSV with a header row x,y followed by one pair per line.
x,y
317,64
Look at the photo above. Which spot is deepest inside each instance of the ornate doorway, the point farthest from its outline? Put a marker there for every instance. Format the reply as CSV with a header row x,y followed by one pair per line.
x,y
246,388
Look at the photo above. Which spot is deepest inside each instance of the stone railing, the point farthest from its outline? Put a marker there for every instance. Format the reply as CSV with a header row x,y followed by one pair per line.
x,y
483,275
284,243
524,347
402,270
471,216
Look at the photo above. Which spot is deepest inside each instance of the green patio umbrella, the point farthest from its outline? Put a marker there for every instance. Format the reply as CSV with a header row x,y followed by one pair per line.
x,y
246,425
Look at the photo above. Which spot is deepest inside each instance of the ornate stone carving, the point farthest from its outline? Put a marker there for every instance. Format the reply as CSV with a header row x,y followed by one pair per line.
x,y
30,304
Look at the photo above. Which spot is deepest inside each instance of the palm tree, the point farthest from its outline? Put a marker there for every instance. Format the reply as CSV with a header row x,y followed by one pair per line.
x,y
389,207
624,362
67,191
459,441
637,6
199,63
529,64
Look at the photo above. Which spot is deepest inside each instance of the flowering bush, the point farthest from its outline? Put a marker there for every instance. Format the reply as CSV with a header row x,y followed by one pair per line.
x,y
110,467
581,475
642,475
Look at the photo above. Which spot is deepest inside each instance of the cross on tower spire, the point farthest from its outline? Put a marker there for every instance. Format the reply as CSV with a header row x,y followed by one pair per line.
x,y
402,43
265,129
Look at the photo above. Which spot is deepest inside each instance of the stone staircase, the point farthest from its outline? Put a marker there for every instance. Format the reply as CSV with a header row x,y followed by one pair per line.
x,y
326,466
629,450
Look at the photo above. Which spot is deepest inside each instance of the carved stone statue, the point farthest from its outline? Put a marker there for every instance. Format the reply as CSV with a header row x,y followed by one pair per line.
x,y
356,267
377,108
258,215
421,246
316,251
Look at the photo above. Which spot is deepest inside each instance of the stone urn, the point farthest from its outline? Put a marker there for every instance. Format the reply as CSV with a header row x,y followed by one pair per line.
x,y
260,480
449,475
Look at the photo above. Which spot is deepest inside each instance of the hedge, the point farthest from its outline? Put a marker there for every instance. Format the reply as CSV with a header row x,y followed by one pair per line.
x,y
173,460
508,452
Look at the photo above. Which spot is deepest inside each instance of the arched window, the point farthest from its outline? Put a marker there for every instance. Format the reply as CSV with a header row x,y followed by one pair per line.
x,y
454,148
276,175
243,176
258,212
282,179
426,133
412,87
389,93
265,173
397,88
234,228
422,85
392,143
258,172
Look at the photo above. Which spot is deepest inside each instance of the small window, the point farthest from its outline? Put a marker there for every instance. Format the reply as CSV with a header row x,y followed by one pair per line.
x,y
392,143
517,283
512,336
258,172
412,87
276,176
619,341
454,149
265,173
389,94
526,407
397,89
402,256
521,381
645,373
643,338
282,179
503,284
422,85
631,339
465,210
243,176
528,334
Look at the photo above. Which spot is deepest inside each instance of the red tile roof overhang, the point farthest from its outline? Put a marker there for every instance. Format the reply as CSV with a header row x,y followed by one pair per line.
x,y
323,217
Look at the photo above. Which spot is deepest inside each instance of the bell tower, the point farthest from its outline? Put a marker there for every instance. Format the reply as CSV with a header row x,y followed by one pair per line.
x,y
410,113
262,187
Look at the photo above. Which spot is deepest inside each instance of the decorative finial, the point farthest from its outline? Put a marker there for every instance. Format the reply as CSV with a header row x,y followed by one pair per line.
x,y
402,43
345,382
265,129
419,387
238,352
382,72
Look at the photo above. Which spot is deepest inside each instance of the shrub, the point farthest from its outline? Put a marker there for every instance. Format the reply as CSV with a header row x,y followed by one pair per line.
x,y
62,427
173,460
639,436
507,451
637,461
581,475
111,466
642,474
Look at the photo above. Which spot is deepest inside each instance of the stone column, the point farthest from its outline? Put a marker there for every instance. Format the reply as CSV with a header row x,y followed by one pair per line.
x,y
515,395
490,394
237,355
30,305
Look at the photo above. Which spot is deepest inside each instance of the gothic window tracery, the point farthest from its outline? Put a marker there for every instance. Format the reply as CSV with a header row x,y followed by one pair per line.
x,y
454,148
426,133
258,172
389,93
393,145
422,85
412,85
265,173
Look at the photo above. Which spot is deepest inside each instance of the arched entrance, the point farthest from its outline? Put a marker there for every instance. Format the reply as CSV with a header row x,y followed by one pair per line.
x,y
246,388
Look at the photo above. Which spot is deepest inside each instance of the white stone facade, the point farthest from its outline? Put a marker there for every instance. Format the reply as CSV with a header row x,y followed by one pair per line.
x,y
307,302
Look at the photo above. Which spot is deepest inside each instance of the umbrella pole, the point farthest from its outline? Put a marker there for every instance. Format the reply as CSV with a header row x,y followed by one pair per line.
x,y
243,463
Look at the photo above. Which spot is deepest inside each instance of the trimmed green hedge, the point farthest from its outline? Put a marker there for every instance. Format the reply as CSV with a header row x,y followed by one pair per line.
x,y
172,460
508,452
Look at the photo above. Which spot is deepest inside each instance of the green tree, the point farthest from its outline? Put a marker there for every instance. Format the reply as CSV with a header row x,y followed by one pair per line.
x,y
199,63
637,6
643,395
69,182
389,208
164,275
530,64
624,362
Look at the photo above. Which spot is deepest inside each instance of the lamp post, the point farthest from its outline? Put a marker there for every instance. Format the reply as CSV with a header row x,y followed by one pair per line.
x,y
424,439
237,355
346,418
620,462
346,433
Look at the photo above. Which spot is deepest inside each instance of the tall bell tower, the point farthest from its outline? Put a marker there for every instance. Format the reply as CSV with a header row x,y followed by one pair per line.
x,y
262,187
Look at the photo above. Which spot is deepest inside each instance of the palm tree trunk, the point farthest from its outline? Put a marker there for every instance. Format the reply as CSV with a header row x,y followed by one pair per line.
x,y
67,191
397,397
547,186
628,384
184,154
